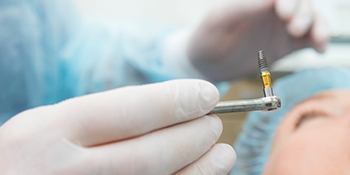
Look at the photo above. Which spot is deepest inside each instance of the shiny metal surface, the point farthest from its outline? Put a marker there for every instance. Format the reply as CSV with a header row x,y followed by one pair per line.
x,y
259,104
267,103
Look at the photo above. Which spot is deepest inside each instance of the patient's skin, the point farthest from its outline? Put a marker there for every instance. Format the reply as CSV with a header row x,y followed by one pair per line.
x,y
314,138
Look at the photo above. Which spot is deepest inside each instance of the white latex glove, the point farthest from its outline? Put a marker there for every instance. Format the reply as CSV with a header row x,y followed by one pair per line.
x,y
152,129
225,45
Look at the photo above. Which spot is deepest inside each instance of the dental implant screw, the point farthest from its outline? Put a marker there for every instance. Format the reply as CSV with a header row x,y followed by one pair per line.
x,y
265,74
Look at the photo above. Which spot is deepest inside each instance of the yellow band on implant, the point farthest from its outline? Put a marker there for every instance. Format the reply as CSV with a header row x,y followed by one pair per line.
x,y
266,78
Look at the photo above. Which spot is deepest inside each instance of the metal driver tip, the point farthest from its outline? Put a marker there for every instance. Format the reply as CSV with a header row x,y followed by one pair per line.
x,y
261,54
262,61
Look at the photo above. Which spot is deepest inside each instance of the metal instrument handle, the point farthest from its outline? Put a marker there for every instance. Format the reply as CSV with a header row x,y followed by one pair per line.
x,y
260,104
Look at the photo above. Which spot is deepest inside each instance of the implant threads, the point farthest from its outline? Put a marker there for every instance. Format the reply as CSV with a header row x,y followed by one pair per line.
x,y
262,61
265,74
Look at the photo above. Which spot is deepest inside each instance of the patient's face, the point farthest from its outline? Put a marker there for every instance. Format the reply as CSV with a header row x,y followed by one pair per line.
x,y
314,138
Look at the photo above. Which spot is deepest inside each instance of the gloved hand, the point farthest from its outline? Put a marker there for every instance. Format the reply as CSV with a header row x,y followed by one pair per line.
x,y
225,45
152,129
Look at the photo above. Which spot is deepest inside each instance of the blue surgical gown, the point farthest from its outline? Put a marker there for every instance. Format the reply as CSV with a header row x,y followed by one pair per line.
x,y
47,54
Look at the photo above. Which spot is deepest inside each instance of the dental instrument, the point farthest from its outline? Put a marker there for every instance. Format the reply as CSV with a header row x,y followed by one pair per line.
x,y
269,102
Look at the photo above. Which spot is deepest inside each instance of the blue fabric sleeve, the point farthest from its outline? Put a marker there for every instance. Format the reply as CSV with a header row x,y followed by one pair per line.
x,y
100,59
32,35
48,54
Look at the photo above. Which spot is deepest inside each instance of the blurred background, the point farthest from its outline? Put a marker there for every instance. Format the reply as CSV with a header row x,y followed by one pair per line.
x,y
187,13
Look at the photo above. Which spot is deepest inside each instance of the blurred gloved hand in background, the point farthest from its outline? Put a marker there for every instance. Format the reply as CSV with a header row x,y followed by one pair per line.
x,y
225,44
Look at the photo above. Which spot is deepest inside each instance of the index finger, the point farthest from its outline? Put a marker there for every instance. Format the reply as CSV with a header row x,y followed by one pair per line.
x,y
320,33
128,112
